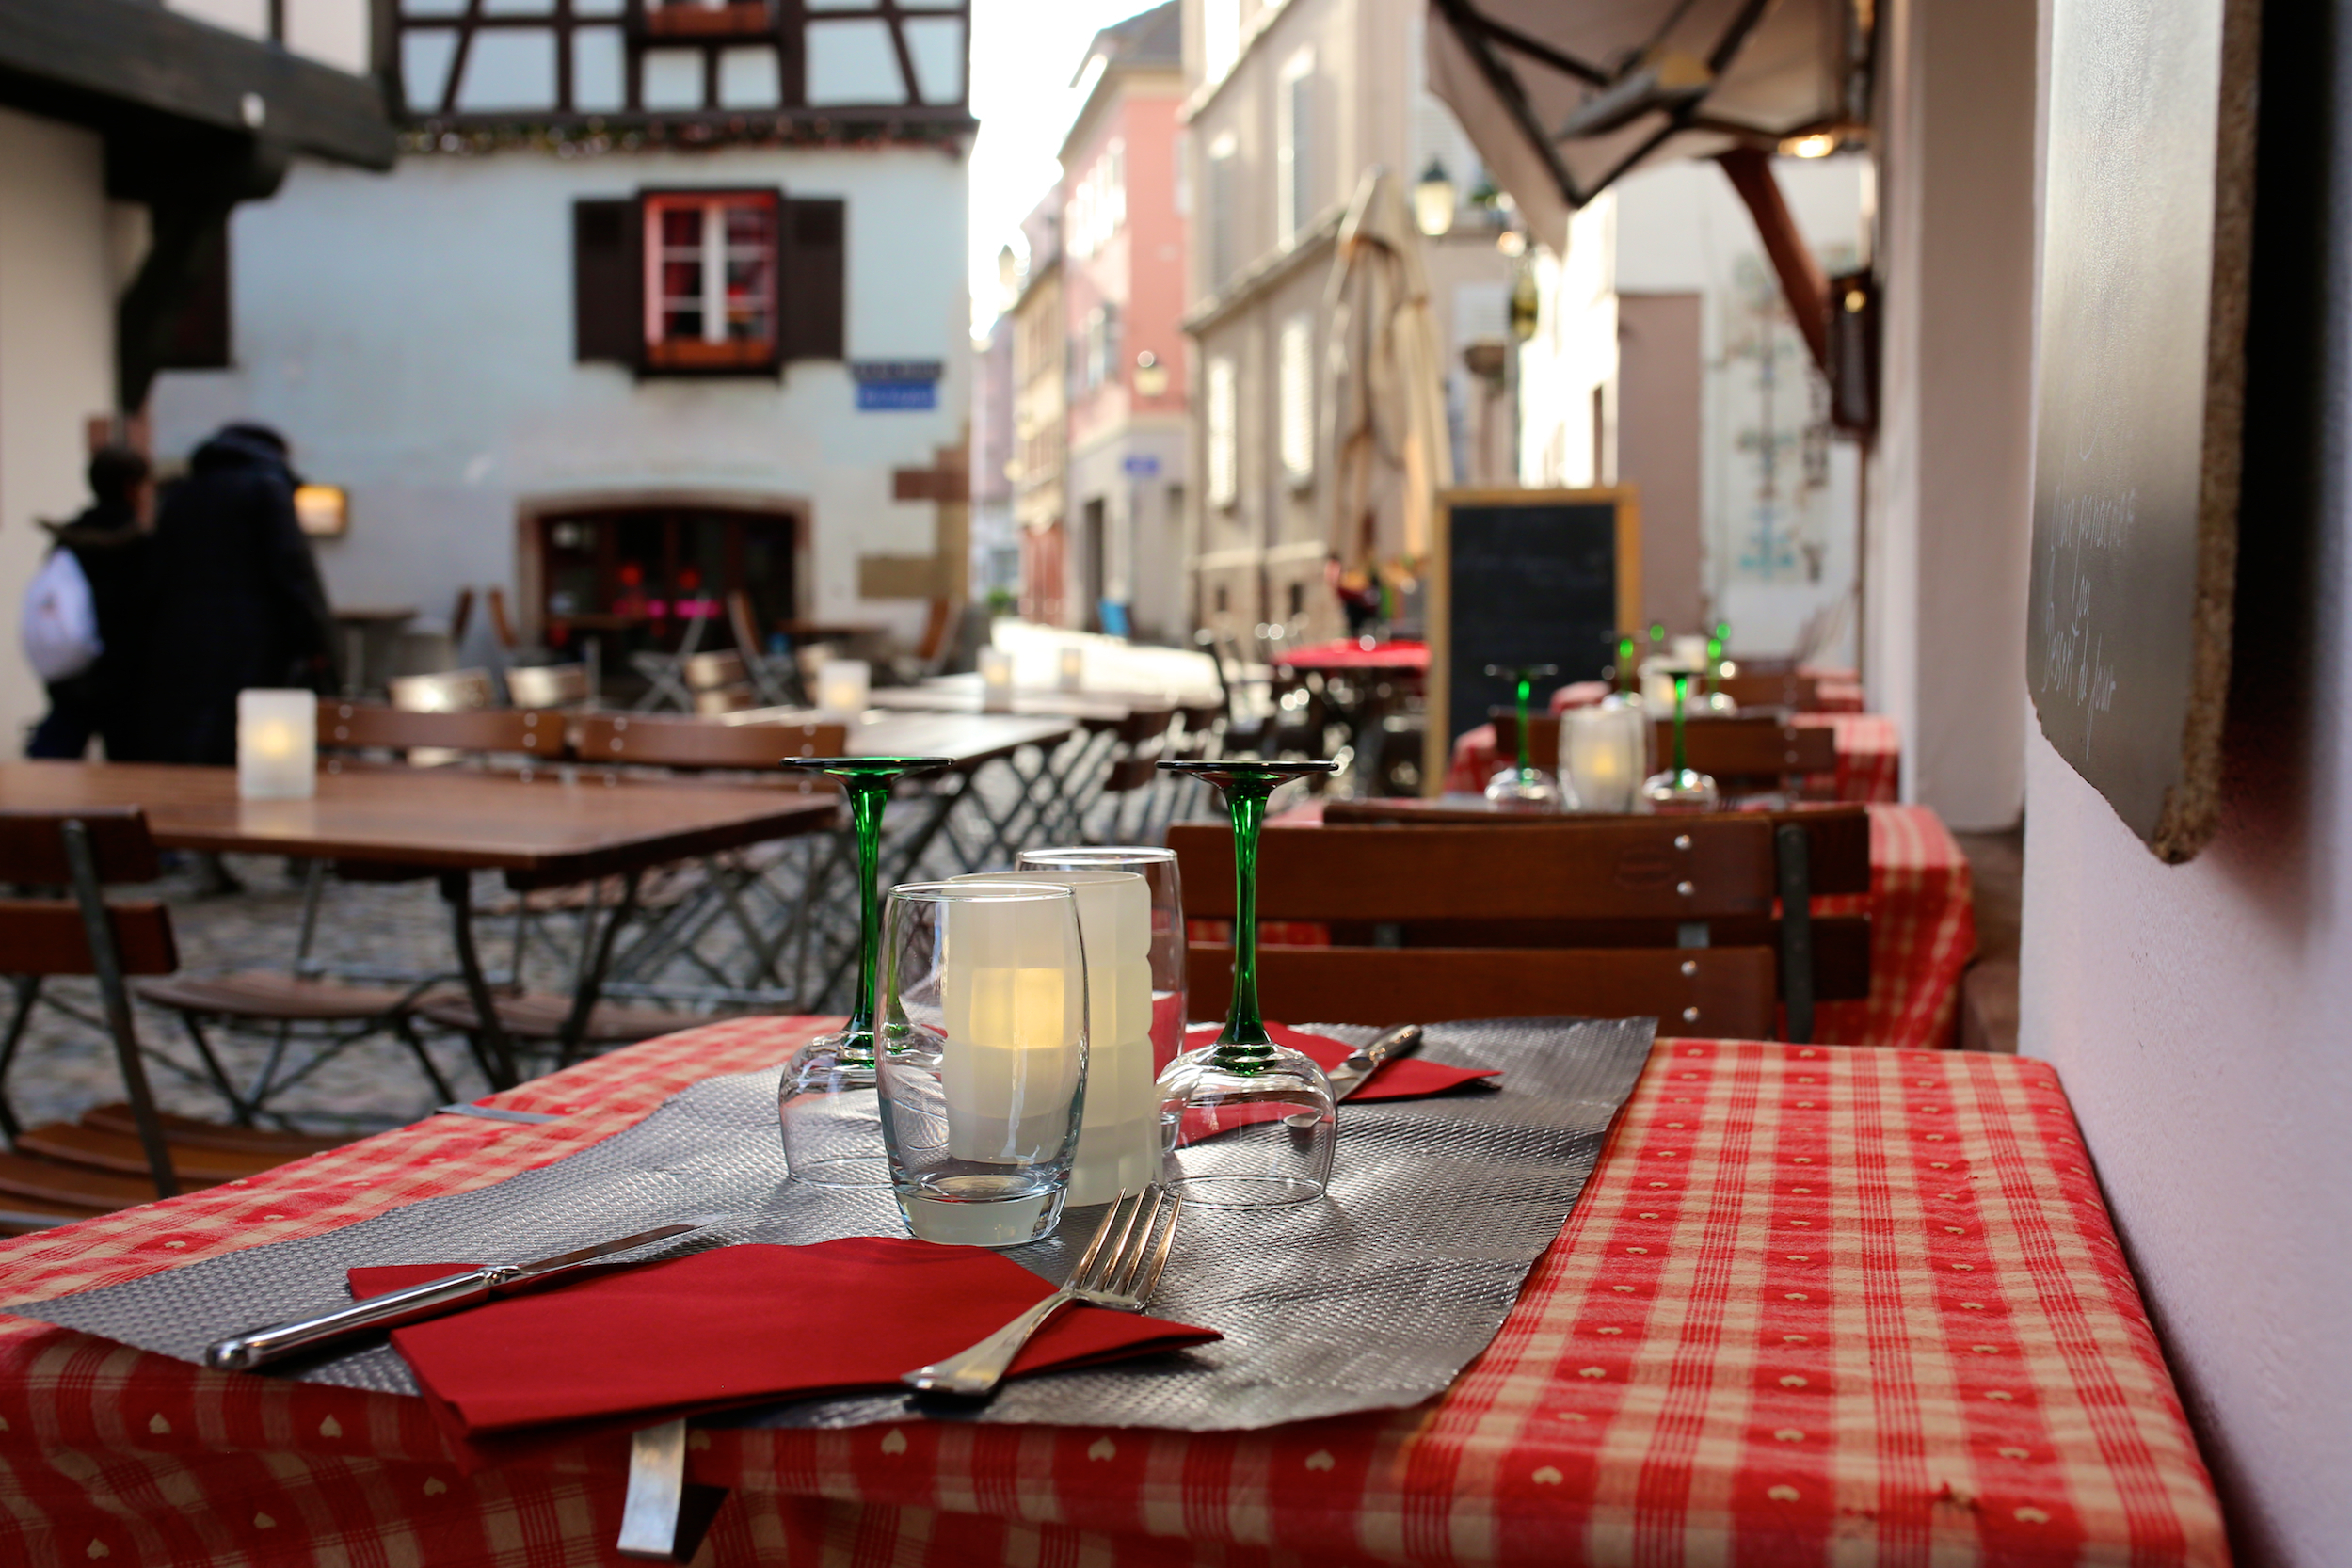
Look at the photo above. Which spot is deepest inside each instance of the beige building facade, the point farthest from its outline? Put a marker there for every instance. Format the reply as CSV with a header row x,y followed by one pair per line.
x,y
1289,108
1041,420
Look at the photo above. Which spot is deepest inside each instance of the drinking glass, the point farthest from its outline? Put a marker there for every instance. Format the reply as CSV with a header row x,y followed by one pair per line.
x,y
1680,787
827,1101
982,1057
1525,784
1246,1123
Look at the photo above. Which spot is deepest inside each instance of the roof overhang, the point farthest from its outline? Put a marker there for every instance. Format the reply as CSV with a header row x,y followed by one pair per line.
x,y
126,66
1561,100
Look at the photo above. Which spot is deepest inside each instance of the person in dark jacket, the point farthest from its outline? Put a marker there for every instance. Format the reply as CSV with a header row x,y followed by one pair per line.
x,y
232,600
108,541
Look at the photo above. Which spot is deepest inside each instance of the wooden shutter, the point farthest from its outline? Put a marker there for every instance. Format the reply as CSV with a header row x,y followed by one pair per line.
x,y
814,266
608,282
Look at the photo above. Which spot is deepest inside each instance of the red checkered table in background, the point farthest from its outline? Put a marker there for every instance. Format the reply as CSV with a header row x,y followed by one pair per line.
x,y
1817,1305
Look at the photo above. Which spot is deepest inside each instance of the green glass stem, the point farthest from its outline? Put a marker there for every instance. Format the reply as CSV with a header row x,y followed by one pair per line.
x,y
1244,1046
1624,666
1682,691
1526,689
868,797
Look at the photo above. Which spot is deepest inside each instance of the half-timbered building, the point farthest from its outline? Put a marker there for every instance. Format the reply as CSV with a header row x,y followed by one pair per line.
x,y
664,299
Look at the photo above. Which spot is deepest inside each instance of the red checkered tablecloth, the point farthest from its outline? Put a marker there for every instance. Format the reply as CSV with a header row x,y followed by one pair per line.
x,y
1816,1306
1869,758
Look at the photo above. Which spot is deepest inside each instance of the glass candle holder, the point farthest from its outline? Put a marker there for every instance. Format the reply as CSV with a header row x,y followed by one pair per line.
x,y
1246,1123
827,1101
1070,669
1158,868
277,744
1604,752
843,686
982,1057
996,681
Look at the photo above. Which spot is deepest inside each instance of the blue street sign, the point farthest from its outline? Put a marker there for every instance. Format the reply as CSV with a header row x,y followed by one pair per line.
x,y
893,396
1141,465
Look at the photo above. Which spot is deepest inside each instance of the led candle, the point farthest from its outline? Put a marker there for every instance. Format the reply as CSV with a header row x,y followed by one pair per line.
x,y
1013,988
1073,669
1690,652
842,685
996,681
1602,752
277,744
1118,1147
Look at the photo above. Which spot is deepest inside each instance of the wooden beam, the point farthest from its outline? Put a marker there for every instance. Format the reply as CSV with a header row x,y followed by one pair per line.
x,y
1802,281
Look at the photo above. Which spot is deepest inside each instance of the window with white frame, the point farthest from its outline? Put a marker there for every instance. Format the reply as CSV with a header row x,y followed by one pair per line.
x,y
1098,347
1295,388
1223,460
1295,162
1097,205
710,279
1224,253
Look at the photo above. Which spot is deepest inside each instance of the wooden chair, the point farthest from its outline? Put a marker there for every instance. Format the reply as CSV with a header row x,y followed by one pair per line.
x,y
1670,917
1797,692
119,1155
445,692
773,676
720,683
439,734
549,686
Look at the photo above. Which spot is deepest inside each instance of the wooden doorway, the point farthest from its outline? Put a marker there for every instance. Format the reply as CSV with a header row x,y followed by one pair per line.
x,y
639,576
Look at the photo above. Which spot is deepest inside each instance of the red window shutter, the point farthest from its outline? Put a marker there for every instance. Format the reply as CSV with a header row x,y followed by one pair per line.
x,y
607,282
815,263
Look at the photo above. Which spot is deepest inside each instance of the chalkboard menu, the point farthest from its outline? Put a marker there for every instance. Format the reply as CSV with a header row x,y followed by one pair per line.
x,y
2135,482
1518,578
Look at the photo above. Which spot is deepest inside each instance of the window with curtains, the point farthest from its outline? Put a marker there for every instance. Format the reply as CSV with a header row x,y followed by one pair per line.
x,y
1223,459
710,279
1295,388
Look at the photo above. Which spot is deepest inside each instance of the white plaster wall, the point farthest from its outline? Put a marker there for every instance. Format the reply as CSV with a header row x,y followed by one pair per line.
x,y
1950,493
412,335
332,32
56,361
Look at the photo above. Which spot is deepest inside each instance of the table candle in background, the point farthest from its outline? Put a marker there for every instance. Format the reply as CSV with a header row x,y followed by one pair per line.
x,y
996,681
842,685
1118,1147
277,744
1013,989
1690,652
1604,755
1073,669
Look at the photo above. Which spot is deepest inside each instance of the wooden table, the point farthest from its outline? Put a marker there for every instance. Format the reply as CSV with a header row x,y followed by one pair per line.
x,y
1815,1305
540,831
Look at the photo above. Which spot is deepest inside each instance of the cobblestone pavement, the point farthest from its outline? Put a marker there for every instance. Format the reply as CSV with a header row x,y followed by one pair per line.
x,y
66,1064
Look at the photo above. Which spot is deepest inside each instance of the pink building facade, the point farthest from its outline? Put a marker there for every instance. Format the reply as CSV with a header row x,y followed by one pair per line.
x,y
1123,265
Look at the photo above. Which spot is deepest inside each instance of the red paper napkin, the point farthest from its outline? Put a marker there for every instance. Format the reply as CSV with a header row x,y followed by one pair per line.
x,y
738,1325
1402,1078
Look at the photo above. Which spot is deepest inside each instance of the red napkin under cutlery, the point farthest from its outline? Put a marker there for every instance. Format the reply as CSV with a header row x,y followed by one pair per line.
x,y
735,1326
1402,1078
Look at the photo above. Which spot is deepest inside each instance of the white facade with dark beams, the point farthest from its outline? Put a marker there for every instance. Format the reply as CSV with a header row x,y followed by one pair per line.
x,y
661,302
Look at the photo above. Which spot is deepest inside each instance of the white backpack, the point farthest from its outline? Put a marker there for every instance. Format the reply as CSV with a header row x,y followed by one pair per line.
x,y
60,627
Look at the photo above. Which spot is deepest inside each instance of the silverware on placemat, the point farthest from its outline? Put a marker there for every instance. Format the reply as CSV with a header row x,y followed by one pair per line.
x,y
1120,1269
418,1302
1362,1061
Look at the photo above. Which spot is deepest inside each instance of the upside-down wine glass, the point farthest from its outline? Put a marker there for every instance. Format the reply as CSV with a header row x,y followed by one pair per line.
x,y
1247,1123
1680,787
1525,784
829,1100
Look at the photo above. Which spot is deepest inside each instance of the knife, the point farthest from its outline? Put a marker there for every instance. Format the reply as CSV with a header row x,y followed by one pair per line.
x,y
1362,1061
417,1303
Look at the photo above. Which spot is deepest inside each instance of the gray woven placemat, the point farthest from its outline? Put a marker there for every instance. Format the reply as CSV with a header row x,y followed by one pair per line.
x,y
1372,1299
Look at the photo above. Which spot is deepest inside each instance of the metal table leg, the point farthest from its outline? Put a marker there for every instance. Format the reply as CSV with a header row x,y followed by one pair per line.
x,y
492,1053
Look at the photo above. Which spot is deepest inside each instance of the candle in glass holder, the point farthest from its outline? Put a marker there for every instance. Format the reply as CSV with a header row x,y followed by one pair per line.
x,y
1604,755
1013,993
996,681
842,685
1118,1146
1073,669
277,744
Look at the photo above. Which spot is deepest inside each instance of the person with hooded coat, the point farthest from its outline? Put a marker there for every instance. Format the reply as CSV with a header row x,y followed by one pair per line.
x,y
109,542
232,599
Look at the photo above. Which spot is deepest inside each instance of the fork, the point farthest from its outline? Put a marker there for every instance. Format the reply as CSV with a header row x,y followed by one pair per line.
x,y
1121,1275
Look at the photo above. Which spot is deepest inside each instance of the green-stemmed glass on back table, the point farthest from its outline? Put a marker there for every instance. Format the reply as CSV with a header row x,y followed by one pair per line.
x,y
1247,1123
1523,784
829,1100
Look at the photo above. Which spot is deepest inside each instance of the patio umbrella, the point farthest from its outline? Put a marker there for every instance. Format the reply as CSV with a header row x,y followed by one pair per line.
x,y
1561,99
1384,392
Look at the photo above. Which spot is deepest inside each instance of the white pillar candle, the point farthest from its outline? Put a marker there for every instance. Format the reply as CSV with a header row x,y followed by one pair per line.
x,y
1013,988
842,685
1073,669
277,744
1690,652
1119,1149
1603,754
996,681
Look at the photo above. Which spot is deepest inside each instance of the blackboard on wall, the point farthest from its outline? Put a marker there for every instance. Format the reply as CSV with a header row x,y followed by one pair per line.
x,y
1517,578
2145,252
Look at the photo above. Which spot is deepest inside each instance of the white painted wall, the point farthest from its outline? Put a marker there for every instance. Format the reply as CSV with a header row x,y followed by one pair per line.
x,y
412,335
56,361
1950,492
332,32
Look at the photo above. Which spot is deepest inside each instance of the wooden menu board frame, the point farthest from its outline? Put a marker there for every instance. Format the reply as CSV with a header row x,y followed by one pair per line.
x,y
1438,589
2147,252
